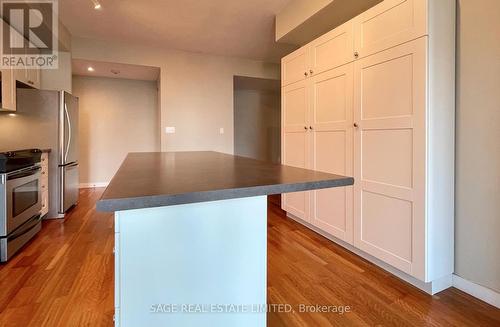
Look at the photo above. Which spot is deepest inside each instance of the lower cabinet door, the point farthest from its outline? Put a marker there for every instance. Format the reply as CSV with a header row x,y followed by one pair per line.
x,y
295,142
390,111
332,149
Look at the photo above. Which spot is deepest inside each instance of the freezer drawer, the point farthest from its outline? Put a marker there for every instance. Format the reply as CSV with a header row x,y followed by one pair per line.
x,y
68,187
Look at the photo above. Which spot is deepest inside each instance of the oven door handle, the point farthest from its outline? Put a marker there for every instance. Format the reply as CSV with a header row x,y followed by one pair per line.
x,y
24,173
35,219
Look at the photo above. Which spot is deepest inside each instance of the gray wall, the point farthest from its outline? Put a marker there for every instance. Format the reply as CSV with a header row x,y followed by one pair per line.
x,y
34,125
117,116
257,120
477,232
29,127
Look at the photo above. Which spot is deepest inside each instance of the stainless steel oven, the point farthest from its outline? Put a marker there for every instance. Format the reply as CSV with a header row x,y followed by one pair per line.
x,y
21,203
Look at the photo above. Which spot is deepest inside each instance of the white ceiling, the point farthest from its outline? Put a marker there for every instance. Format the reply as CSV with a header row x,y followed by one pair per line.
x,y
115,70
223,27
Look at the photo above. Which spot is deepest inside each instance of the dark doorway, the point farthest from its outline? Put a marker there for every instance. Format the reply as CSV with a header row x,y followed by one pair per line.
x,y
257,118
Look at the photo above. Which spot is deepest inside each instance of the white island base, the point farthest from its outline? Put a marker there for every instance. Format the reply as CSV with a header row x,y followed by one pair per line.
x,y
207,256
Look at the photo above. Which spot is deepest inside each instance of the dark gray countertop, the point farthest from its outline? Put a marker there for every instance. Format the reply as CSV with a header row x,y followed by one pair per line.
x,y
157,179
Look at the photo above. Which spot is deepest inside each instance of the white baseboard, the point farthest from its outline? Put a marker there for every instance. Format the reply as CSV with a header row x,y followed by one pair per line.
x,y
93,185
483,293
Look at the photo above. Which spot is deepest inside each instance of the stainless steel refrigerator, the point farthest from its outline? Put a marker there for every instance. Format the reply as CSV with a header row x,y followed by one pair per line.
x,y
68,151
52,120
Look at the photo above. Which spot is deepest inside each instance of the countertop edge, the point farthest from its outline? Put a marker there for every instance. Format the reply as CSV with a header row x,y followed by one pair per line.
x,y
152,201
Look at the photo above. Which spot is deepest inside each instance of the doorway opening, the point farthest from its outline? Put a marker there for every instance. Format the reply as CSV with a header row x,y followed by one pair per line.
x,y
257,120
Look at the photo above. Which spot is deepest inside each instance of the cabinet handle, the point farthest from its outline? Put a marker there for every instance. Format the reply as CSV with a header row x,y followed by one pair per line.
x,y
356,125
356,55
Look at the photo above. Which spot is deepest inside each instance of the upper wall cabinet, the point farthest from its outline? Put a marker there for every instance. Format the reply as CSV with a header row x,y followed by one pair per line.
x,y
386,25
12,78
390,23
329,51
294,67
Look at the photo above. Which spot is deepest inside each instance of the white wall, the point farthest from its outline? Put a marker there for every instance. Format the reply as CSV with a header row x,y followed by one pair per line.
x,y
196,93
477,205
117,116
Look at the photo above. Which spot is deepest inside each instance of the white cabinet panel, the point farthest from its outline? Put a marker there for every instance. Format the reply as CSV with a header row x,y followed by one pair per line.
x,y
295,149
387,228
295,142
387,156
390,156
393,97
332,149
331,209
388,24
333,49
295,106
294,67
330,98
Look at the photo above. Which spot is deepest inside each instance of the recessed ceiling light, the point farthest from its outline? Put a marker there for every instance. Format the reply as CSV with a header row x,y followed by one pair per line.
x,y
97,5
90,69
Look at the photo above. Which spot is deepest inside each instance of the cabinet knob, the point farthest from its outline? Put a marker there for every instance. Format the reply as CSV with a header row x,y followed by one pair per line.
x,y
311,128
305,127
356,55
311,71
356,125
305,74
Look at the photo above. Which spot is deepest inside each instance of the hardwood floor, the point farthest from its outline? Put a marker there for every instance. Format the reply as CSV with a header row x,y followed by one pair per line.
x,y
64,277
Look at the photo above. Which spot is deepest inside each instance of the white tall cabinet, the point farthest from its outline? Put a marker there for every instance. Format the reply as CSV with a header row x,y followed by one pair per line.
x,y
374,99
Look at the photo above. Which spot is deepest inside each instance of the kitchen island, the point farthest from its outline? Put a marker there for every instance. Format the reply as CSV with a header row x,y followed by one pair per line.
x,y
190,236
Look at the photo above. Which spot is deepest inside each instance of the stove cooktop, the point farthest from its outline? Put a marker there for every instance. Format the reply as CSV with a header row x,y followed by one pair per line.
x,y
14,160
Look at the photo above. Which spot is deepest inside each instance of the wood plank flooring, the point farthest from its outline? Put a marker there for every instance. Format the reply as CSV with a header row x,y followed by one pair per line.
x,y
64,277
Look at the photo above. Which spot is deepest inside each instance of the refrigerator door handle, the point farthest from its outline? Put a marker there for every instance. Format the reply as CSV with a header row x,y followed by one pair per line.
x,y
69,132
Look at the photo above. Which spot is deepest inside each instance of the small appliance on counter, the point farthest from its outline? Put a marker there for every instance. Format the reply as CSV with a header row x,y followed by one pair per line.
x,y
20,199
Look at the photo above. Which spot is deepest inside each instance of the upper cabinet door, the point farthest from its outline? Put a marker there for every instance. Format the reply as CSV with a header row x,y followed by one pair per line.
x,y
33,76
295,142
390,156
332,149
294,67
388,24
332,50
